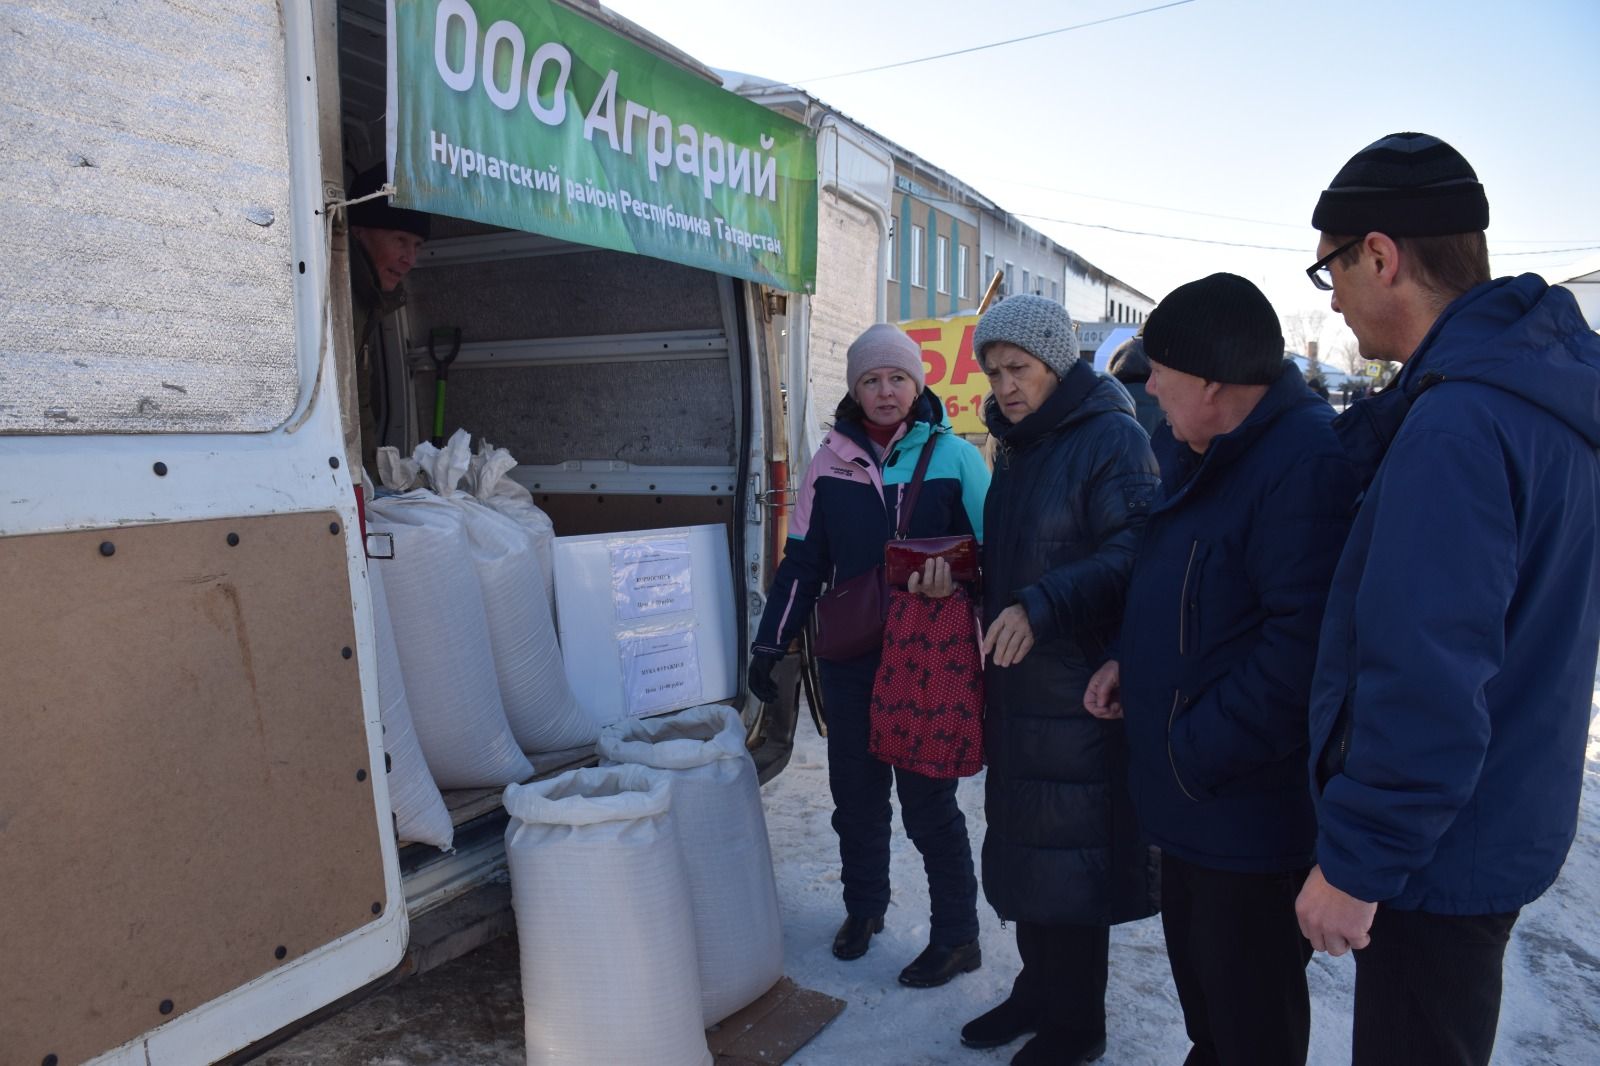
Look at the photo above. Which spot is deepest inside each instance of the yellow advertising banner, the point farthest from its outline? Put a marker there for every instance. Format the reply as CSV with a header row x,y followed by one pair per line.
x,y
953,372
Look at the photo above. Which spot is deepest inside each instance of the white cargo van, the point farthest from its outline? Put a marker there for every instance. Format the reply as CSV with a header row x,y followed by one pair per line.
x,y
199,847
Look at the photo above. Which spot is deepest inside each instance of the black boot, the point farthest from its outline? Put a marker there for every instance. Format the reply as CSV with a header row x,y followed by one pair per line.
x,y
855,935
938,963
1057,1046
1001,1025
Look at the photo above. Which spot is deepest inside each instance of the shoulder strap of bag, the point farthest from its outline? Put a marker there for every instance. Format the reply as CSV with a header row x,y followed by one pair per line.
x,y
908,501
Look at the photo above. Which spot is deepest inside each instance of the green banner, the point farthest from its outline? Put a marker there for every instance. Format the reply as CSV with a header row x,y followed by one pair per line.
x,y
524,114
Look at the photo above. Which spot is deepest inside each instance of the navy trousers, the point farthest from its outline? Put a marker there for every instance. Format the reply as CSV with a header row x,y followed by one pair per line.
x,y
1428,988
861,815
1239,963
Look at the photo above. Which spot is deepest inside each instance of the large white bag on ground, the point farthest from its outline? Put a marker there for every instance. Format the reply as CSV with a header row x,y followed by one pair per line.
x,y
604,925
716,804
419,810
440,628
489,483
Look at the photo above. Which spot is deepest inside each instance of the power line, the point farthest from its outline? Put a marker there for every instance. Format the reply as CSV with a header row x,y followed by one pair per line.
x,y
1161,236
995,44
1154,207
1239,218
1259,247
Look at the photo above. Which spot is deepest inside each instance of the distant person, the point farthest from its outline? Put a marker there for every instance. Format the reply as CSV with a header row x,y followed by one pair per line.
x,y
1451,702
1214,662
385,243
1129,366
846,509
1317,384
1062,855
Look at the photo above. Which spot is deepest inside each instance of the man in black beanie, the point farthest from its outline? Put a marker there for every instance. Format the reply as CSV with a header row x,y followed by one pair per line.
x,y
1451,700
1212,671
385,243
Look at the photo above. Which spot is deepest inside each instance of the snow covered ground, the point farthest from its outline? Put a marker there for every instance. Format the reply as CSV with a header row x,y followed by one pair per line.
x,y
1551,1010
469,1012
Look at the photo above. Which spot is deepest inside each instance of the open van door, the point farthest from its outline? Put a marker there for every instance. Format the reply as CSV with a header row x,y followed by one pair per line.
x,y
192,797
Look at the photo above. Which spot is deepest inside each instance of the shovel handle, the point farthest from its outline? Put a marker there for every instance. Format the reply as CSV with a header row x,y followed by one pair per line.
x,y
441,370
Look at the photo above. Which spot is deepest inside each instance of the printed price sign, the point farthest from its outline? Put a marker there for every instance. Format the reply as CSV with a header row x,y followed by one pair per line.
x,y
952,370
651,577
661,671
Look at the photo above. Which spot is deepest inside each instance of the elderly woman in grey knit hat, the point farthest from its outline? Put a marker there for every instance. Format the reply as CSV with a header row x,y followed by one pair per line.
x,y
1062,857
846,508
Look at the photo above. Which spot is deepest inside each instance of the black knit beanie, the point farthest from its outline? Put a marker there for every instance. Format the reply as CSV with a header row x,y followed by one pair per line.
x,y
379,213
1219,328
1405,185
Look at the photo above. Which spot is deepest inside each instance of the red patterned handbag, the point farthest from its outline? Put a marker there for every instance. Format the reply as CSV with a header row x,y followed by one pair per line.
x,y
927,697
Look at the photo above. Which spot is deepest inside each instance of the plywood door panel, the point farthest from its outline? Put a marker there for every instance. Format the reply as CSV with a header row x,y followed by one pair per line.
x,y
185,800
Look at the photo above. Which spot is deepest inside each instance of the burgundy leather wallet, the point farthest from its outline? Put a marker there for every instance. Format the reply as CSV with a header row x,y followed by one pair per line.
x,y
902,558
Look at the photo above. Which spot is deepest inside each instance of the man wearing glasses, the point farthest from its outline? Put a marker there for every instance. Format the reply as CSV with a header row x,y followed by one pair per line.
x,y
1451,698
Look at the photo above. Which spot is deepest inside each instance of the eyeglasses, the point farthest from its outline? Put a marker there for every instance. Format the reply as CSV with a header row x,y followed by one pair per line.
x,y
1320,274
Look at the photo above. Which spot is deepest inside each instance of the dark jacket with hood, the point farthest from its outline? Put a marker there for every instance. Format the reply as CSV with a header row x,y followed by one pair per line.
x,y
1219,638
1072,484
1453,686
848,507
1145,407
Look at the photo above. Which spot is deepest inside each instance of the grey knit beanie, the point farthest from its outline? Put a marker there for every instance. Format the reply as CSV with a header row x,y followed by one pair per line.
x,y
1038,326
884,345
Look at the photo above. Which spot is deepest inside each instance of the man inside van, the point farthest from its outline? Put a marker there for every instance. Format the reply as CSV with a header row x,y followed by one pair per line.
x,y
1450,704
385,243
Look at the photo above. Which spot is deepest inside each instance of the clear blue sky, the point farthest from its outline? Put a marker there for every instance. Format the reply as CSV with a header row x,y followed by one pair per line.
x,y
1242,108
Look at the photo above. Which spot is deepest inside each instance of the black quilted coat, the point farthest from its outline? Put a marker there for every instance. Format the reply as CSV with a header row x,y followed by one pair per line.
x,y
1072,485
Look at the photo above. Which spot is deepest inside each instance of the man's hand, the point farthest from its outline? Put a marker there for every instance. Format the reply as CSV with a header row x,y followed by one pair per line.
x,y
759,678
1103,697
1332,920
1010,637
934,581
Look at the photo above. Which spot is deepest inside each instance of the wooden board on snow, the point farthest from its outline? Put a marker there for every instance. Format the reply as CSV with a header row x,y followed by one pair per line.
x,y
774,1027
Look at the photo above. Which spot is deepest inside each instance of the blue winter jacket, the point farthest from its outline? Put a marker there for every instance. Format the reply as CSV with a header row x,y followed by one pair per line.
x,y
1451,699
1219,638
848,507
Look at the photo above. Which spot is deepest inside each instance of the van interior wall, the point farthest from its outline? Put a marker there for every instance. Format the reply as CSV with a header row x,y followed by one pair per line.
x,y
581,360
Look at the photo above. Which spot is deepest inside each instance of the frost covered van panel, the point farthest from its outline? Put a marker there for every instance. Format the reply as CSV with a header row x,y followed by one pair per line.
x,y
160,132
193,801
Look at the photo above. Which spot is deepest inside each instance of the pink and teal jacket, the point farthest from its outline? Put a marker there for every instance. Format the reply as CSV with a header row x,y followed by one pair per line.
x,y
848,504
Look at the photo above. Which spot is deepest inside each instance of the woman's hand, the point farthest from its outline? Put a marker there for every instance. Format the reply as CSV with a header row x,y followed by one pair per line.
x,y
1103,696
1010,637
934,581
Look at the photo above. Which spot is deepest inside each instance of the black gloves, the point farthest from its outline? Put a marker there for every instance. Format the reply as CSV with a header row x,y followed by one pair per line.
x,y
760,677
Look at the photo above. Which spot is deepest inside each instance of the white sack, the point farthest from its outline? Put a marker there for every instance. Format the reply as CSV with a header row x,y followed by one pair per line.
x,y
544,714
716,804
604,924
488,482
419,810
401,475
443,636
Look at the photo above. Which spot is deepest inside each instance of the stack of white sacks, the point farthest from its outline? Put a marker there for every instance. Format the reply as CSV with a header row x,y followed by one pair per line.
x,y
470,675
643,890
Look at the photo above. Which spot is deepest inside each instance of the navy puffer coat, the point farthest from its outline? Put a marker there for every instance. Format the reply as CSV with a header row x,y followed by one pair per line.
x,y
1072,484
